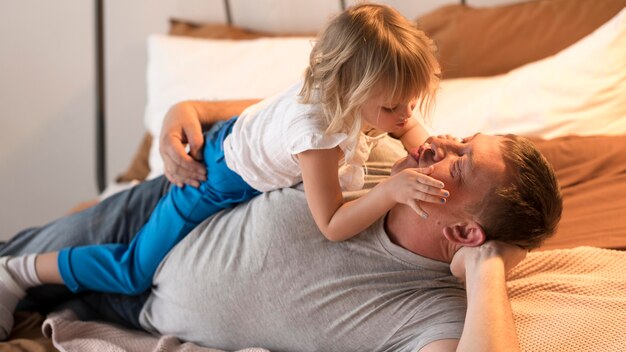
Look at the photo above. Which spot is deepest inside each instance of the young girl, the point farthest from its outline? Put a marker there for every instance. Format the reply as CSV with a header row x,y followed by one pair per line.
x,y
368,70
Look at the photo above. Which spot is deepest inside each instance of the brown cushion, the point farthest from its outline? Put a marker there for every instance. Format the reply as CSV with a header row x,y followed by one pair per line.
x,y
212,31
494,40
592,175
139,167
222,31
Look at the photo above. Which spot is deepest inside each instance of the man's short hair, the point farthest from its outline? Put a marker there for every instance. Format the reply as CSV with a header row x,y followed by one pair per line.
x,y
527,208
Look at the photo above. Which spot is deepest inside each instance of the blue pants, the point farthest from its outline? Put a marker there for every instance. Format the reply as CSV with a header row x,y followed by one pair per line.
x,y
128,268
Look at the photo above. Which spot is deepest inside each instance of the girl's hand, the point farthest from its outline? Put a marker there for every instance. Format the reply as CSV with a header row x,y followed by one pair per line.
x,y
412,185
181,127
450,137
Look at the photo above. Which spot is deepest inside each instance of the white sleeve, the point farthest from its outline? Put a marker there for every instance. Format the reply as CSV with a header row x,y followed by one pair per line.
x,y
307,133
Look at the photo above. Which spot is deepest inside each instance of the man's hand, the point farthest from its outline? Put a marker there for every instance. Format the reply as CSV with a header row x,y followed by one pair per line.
x,y
182,127
489,324
468,259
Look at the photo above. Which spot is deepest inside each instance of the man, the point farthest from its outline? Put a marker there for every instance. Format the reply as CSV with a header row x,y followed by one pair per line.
x,y
261,274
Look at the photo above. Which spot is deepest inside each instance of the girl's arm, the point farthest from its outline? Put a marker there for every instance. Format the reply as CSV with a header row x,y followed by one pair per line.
x,y
412,135
338,220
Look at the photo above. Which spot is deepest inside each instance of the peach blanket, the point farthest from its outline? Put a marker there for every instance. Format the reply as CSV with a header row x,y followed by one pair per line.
x,y
570,300
71,335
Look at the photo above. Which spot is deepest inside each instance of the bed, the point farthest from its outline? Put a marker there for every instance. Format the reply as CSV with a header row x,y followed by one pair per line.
x,y
552,70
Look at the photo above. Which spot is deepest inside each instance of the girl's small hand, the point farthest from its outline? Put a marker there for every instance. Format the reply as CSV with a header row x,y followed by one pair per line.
x,y
412,185
450,137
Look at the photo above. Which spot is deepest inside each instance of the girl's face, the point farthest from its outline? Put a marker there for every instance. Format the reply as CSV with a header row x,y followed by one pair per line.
x,y
386,115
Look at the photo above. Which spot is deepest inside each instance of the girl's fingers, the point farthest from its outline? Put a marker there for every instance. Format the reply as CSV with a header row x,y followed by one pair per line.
x,y
418,210
449,136
429,189
435,191
429,181
454,138
425,170
430,198
421,175
431,194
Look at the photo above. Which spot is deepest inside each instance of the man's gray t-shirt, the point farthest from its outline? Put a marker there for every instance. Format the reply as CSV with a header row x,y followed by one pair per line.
x,y
263,275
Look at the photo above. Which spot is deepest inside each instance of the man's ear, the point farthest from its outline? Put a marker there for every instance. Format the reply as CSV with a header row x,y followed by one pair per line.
x,y
469,234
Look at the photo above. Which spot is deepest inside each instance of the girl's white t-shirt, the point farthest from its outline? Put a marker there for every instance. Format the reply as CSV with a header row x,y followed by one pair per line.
x,y
266,137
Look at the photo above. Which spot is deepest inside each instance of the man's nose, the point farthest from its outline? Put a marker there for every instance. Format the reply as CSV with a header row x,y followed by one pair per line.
x,y
439,149
442,146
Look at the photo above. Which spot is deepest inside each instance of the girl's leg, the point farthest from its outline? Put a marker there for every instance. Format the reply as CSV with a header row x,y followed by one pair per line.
x,y
47,268
115,219
17,274
128,269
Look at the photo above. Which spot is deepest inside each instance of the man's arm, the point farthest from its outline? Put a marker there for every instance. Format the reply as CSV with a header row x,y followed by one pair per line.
x,y
489,324
183,125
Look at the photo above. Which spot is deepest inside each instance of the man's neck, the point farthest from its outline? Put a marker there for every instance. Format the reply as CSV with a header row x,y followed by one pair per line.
x,y
422,237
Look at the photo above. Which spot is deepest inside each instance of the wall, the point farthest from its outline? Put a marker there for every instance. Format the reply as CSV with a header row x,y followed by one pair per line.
x,y
46,110
127,26
47,97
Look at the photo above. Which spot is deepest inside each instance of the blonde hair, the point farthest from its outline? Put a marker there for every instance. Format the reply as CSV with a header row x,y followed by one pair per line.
x,y
366,47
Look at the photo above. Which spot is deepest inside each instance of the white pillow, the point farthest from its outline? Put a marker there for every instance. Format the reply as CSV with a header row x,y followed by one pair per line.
x,y
581,90
205,69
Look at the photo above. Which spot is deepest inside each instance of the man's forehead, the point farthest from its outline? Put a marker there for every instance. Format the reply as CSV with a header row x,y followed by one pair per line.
x,y
482,136
487,157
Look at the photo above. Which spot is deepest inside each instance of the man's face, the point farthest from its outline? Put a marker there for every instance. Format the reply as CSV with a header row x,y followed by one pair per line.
x,y
468,168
